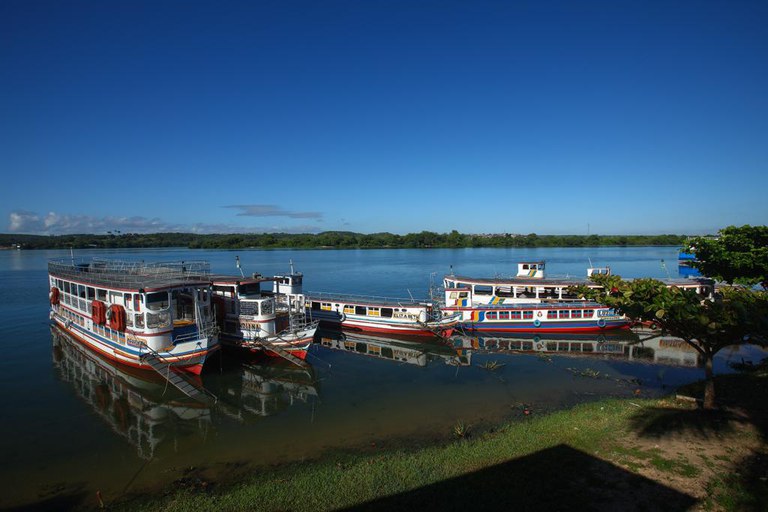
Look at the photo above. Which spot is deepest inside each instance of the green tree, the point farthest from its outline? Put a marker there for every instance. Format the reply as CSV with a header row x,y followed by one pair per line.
x,y
735,315
736,255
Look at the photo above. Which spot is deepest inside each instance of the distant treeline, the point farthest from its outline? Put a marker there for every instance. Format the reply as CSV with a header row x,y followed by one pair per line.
x,y
328,239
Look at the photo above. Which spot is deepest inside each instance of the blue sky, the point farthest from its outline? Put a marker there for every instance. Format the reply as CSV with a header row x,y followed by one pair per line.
x,y
401,116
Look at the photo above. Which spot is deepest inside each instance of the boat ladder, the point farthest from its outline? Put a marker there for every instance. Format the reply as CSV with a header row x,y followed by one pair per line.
x,y
156,362
279,351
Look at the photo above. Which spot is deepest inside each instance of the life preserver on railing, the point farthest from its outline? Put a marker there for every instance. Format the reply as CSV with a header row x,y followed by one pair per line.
x,y
342,317
53,296
536,322
601,322
539,314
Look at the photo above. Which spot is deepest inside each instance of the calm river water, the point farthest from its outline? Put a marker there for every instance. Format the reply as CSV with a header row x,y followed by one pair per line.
x,y
74,424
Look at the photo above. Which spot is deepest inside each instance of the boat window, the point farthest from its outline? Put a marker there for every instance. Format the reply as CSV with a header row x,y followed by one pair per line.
x,y
224,290
516,315
504,291
491,315
527,315
184,303
453,295
386,312
249,289
101,294
576,313
551,314
139,320
483,290
127,299
81,291
91,293
374,312
315,306
66,287
326,306
503,315
589,313
563,314
157,301
158,320
349,310
360,310
267,307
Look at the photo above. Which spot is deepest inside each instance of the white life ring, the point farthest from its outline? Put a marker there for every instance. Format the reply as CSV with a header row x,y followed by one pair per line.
x,y
601,322
539,314
342,317
536,323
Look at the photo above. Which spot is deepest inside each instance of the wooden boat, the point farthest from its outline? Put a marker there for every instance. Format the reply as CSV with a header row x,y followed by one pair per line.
x,y
271,322
148,315
380,314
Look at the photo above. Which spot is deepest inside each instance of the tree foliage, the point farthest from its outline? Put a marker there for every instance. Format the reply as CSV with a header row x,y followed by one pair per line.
x,y
328,239
736,255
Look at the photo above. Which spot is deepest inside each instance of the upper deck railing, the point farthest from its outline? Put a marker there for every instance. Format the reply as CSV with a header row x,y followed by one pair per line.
x,y
367,299
131,274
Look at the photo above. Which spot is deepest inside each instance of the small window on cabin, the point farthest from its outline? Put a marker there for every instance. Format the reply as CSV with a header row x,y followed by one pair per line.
x,y
267,307
453,295
315,306
127,299
525,266
527,315
157,301
326,306
139,320
374,312
101,294
249,289
551,314
589,313
491,315
90,293
349,310
66,287
516,315
360,310
576,313
503,315
81,291
483,290
563,313
386,312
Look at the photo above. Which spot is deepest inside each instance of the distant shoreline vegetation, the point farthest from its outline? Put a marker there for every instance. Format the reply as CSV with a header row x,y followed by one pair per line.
x,y
327,239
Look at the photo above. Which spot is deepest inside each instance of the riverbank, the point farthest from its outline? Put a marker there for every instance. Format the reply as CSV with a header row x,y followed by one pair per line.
x,y
608,455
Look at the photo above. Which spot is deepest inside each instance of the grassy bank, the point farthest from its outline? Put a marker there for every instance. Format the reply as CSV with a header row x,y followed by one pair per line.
x,y
614,454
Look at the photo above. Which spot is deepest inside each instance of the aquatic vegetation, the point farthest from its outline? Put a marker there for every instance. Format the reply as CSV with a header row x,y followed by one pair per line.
x,y
491,365
461,430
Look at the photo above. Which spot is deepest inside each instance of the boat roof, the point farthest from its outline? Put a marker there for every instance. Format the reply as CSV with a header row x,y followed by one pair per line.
x,y
132,275
238,280
565,281
364,300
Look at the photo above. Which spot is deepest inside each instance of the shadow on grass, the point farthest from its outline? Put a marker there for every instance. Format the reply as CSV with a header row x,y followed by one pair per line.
x,y
743,401
65,501
558,478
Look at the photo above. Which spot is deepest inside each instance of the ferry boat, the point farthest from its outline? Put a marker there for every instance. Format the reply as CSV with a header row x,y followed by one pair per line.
x,y
271,322
531,302
381,314
530,285
148,315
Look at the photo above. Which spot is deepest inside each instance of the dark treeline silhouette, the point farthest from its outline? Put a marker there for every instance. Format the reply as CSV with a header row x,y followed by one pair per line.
x,y
328,239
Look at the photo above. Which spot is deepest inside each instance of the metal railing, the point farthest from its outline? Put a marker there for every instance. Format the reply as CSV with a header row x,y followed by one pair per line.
x,y
121,273
341,297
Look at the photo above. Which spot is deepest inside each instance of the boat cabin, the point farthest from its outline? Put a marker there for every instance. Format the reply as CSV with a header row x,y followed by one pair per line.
x,y
531,269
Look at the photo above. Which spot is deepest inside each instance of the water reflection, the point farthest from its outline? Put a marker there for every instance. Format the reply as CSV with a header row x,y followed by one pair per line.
x,y
136,404
650,347
265,386
401,349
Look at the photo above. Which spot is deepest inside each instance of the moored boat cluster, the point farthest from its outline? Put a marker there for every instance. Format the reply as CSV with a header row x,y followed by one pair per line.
x,y
176,314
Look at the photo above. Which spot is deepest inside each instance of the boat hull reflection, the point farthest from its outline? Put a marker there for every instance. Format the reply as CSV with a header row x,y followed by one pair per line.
x,y
417,351
624,344
137,405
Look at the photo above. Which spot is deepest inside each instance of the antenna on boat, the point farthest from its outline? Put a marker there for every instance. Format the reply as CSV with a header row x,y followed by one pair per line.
x,y
237,262
72,255
409,293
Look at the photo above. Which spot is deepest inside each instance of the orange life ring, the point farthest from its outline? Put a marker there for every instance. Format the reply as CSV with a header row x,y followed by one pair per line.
x,y
53,296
